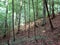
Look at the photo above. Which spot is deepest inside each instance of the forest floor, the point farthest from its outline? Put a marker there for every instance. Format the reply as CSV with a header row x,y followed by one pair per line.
x,y
43,35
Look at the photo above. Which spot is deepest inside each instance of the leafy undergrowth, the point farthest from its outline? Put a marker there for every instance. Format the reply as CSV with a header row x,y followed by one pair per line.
x,y
42,36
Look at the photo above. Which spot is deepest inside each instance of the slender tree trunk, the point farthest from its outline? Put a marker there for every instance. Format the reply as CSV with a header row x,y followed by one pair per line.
x,y
25,14
49,15
13,20
6,21
19,19
29,18
37,9
44,14
53,14
6,25
50,6
16,12
36,15
57,6
34,20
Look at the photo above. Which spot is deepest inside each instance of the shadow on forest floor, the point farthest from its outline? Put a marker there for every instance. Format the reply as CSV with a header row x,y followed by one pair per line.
x,y
43,35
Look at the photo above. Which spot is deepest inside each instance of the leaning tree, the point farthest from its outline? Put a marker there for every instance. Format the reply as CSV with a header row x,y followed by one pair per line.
x,y
45,1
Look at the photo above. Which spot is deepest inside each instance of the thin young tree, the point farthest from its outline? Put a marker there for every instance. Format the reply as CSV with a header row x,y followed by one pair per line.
x,y
57,6
6,25
45,1
24,13
6,22
19,18
53,14
16,19
13,20
37,9
34,20
36,13
29,18
50,6
44,14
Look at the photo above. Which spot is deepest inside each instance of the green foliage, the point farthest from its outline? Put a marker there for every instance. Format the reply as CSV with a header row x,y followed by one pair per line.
x,y
17,10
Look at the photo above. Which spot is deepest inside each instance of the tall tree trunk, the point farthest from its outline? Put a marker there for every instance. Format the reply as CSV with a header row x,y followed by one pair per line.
x,y
37,9
16,12
57,6
29,18
6,21
19,19
6,25
50,6
34,20
48,15
25,14
13,20
53,14
36,16
44,14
